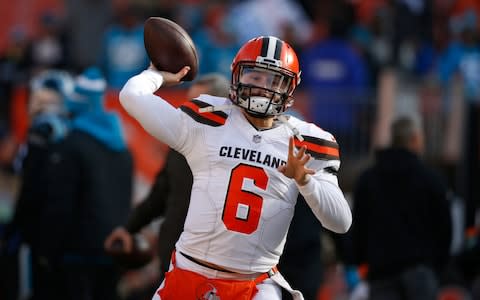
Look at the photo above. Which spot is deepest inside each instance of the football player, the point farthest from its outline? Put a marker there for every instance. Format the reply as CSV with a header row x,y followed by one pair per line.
x,y
249,162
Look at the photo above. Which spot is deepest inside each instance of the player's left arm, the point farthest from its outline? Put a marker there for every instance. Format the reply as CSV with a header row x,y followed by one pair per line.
x,y
314,167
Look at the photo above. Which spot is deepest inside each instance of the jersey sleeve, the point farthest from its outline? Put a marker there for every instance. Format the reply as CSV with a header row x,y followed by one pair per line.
x,y
158,117
324,150
322,192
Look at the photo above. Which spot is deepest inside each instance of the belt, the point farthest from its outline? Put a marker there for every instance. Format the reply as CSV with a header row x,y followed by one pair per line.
x,y
259,279
203,264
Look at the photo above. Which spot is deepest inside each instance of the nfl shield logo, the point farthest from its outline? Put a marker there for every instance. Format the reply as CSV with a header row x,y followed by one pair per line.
x,y
257,139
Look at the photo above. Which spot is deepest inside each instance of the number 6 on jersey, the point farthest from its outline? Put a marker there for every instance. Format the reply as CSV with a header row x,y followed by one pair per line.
x,y
242,208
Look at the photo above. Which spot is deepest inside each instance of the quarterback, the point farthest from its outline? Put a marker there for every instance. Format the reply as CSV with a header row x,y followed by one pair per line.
x,y
249,162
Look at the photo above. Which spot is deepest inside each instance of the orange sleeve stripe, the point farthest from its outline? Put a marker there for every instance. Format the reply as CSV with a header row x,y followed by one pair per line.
x,y
326,150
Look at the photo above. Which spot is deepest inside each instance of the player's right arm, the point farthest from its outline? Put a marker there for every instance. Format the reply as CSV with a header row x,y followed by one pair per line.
x,y
156,116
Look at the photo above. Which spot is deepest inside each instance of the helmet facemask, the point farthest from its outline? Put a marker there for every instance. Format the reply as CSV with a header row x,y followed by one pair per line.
x,y
262,90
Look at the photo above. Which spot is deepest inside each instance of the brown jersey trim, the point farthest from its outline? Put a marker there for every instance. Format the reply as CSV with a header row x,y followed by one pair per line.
x,y
319,148
216,118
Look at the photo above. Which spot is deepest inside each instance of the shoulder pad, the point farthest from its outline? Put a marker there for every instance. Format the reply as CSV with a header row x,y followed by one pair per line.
x,y
214,118
320,143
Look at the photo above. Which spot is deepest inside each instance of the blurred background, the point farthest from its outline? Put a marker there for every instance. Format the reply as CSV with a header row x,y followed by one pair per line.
x,y
364,63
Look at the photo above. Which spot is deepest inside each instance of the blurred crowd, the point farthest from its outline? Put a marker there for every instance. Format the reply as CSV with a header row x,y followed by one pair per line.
x,y
364,64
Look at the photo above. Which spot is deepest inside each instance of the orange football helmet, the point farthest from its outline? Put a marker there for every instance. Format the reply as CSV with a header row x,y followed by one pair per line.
x,y
265,72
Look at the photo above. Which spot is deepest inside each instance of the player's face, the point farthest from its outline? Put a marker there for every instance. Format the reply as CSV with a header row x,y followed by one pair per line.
x,y
43,101
264,79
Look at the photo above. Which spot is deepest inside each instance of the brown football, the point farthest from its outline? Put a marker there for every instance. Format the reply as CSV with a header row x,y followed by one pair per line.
x,y
169,46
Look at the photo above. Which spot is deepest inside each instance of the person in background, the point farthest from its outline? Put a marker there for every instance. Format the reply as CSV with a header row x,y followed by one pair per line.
x,y
123,53
84,21
89,194
461,59
336,79
48,127
48,48
14,71
402,229
216,44
247,175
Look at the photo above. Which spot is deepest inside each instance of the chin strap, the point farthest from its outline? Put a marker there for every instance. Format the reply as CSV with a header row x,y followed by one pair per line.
x,y
284,120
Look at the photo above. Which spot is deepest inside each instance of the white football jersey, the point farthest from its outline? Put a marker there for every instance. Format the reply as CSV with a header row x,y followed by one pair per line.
x,y
241,205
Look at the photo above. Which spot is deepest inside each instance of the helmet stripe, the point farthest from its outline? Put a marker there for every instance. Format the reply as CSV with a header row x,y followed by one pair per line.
x,y
264,50
278,49
271,48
